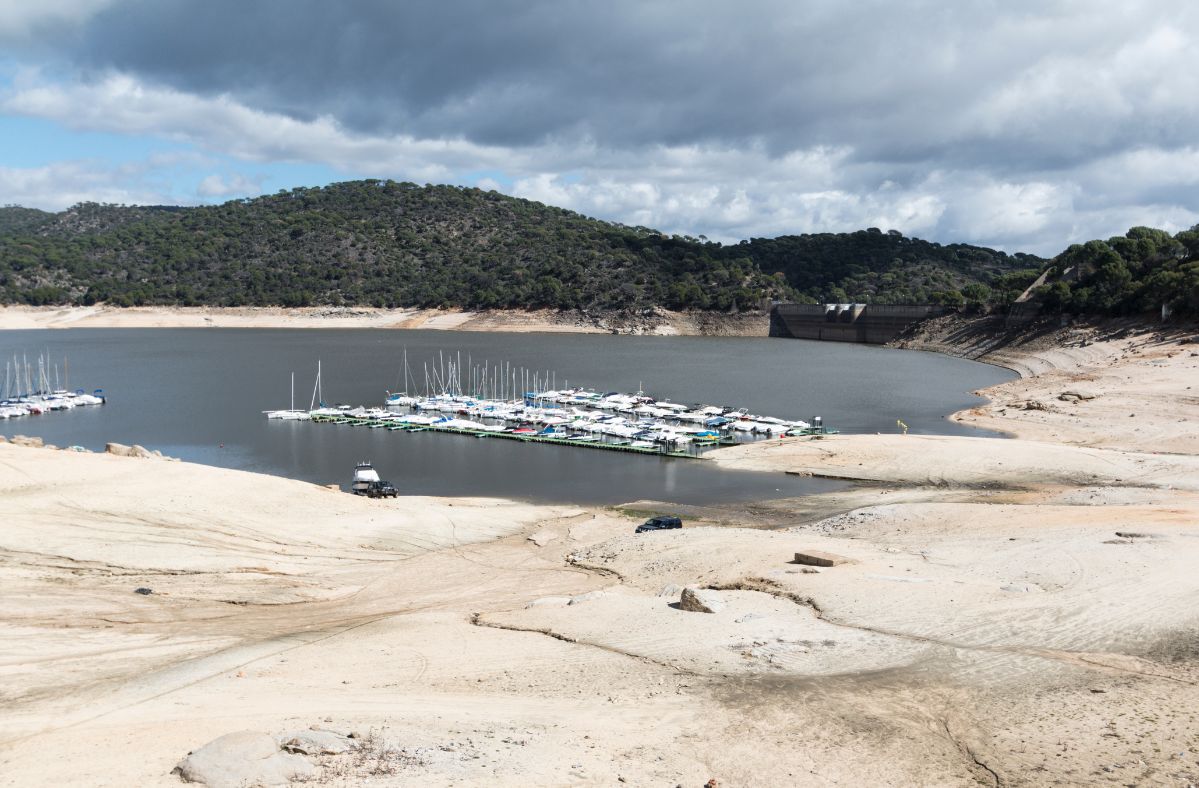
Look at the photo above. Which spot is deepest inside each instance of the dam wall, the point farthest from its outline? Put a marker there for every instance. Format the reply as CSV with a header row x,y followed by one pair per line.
x,y
866,323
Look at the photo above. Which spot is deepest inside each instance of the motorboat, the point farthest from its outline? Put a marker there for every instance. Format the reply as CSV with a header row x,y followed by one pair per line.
x,y
364,474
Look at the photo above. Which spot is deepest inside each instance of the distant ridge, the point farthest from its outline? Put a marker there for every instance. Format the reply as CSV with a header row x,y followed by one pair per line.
x,y
392,244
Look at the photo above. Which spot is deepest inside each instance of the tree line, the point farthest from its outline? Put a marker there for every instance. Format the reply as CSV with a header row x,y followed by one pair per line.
x,y
390,244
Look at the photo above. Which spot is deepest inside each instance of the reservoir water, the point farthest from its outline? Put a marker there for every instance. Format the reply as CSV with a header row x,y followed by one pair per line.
x,y
198,394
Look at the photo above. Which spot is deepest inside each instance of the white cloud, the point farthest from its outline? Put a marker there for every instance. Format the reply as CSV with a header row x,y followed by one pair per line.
x,y
62,184
723,191
229,186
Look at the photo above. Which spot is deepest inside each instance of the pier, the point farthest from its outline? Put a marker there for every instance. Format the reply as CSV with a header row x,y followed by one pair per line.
x,y
657,451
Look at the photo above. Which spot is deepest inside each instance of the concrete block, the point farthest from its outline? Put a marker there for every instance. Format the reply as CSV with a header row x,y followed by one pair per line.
x,y
818,558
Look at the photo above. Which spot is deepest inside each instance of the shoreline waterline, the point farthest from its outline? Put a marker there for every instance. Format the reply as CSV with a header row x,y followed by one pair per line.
x,y
200,395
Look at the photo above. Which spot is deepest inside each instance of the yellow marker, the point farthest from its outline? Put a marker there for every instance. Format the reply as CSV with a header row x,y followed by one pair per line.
x,y
902,426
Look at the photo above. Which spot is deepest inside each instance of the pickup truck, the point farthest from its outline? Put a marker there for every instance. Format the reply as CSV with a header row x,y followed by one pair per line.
x,y
381,489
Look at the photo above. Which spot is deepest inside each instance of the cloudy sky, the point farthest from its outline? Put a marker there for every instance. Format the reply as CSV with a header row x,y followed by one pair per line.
x,y
1022,124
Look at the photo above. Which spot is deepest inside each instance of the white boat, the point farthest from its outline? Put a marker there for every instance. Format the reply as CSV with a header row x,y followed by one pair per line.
x,y
364,474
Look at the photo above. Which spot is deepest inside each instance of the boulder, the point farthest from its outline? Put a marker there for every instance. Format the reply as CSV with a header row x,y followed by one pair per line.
x,y
317,741
698,600
581,598
243,758
1077,394
141,452
22,440
3,439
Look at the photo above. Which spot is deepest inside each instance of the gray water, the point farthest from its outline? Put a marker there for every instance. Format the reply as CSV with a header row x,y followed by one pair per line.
x,y
198,394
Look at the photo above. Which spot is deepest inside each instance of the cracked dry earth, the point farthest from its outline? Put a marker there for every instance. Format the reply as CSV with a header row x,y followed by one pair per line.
x,y
1008,615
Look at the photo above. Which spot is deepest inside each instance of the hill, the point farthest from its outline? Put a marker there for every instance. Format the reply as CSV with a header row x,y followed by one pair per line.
x,y
870,266
390,244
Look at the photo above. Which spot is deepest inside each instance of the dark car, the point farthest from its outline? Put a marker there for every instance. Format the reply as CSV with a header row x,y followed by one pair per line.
x,y
660,523
381,490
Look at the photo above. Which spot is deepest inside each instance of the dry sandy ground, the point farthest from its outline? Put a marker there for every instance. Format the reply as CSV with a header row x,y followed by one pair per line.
x,y
1015,612
15,317
659,322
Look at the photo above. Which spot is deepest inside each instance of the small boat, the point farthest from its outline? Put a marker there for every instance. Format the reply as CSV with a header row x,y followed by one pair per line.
x,y
364,474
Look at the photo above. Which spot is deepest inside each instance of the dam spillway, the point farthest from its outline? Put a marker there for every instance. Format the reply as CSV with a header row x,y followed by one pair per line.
x,y
872,324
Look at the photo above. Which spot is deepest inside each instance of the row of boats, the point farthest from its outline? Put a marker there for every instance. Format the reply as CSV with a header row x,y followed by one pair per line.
x,y
576,415
37,404
31,390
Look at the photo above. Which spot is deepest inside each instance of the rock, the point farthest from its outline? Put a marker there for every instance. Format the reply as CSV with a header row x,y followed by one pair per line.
x,y
1077,394
1021,588
542,538
3,439
317,741
581,598
121,450
670,590
243,758
22,440
143,591
547,601
698,600
818,558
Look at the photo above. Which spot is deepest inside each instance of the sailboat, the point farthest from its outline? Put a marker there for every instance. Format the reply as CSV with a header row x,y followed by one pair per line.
x,y
291,414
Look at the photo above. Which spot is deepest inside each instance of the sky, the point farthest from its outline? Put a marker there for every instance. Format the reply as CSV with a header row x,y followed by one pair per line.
x,y
1024,125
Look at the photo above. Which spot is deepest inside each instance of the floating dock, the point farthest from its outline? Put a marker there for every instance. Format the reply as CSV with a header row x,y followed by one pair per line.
x,y
657,451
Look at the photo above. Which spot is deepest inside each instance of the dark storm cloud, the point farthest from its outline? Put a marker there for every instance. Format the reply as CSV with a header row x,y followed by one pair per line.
x,y
897,82
1027,124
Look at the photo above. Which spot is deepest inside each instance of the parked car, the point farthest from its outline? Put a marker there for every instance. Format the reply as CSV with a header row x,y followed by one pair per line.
x,y
381,489
660,523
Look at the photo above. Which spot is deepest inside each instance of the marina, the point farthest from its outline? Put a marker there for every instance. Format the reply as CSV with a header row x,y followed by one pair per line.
x,y
32,388
578,417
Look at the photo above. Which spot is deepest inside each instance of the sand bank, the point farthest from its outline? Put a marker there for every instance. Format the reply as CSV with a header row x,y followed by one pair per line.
x,y
1016,612
656,322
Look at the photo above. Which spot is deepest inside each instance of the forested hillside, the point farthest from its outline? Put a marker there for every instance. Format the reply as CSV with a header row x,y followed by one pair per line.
x,y
377,243
383,243
870,266
1140,271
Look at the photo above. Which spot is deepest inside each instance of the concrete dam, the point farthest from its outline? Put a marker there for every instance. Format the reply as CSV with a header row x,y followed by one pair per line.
x,y
868,323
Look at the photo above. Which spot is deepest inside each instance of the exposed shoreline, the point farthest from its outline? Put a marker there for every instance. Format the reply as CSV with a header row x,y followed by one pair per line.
x,y
658,322
1014,612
